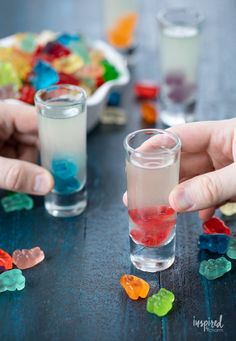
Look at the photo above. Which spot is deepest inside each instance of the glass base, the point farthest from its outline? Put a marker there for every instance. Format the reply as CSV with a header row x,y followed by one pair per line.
x,y
69,205
172,116
153,259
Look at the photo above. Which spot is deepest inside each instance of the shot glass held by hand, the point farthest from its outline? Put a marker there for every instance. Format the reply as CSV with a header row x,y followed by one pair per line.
x,y
180,31
152,167
62,123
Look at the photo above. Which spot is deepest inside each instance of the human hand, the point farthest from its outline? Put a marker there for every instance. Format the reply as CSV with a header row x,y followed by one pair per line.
x,y
18,149
207,167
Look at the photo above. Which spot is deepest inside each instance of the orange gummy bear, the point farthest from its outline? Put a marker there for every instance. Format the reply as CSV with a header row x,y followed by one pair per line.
x,y
135,287
121,34
5,260
149,112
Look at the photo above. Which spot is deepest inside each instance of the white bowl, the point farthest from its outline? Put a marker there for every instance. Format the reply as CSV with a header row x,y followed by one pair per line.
x,y
97,101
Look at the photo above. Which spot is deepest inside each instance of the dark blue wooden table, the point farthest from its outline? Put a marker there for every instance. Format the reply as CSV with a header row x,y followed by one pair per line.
x,y
75,293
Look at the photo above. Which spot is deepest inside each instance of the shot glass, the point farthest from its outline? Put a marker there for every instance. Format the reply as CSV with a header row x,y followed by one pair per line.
x,y
180,32
152,167
62,121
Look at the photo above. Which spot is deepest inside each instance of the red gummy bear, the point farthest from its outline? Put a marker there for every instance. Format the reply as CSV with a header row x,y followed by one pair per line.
x,y
40,55
153,225
99,81
65,78
5,260
146,90
215,225
27,94
56,50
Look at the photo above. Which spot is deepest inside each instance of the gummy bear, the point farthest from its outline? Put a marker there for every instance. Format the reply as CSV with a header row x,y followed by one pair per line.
x,y
215,225
44,75
64,172
114,99
228,209
12,280
110,72
27,93
113,115
175,78
161,302
121,34
69,64
146,90
149,112
181,93
22,63
28,43
25,259
55,49
80,49
214,268
17,202
90,71
65,78
8,75
214,242
66,38
231,251
5,260
135,287
152,226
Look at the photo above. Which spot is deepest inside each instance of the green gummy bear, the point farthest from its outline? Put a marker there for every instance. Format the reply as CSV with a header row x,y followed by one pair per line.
x,y
12,280
231,251
79,48
214,268
110,72
17,202
8,75
161,302
28,43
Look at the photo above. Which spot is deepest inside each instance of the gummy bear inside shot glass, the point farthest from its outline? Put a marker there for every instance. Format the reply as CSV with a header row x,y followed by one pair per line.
x,y
152,167
62,123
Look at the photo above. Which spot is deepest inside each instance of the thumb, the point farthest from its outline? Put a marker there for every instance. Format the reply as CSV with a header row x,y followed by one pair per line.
x,y
22,176
205,190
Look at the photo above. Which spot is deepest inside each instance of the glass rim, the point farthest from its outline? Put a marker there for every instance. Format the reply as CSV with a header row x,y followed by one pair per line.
x,y
76,101
161,15
173,149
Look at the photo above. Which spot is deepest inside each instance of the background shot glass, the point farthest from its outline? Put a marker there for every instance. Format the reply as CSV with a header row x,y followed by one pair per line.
x,y
62,121
180,31
152,168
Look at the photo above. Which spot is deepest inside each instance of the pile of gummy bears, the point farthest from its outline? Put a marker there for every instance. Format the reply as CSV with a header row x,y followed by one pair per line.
x,y
36,61
215,239
13,279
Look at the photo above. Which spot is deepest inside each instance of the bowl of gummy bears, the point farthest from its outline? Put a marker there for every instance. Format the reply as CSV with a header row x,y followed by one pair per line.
x,y
30,62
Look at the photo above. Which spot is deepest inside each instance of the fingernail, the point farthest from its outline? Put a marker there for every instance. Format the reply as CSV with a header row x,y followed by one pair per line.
x,y
42,184
182,199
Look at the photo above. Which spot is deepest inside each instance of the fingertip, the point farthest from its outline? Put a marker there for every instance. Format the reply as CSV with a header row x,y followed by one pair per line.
x,y
43,183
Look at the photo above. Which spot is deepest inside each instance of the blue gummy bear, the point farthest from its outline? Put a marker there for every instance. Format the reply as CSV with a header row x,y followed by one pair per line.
x,y
114,99
64,168
214,242
66,186
64,172
44,75
66,38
